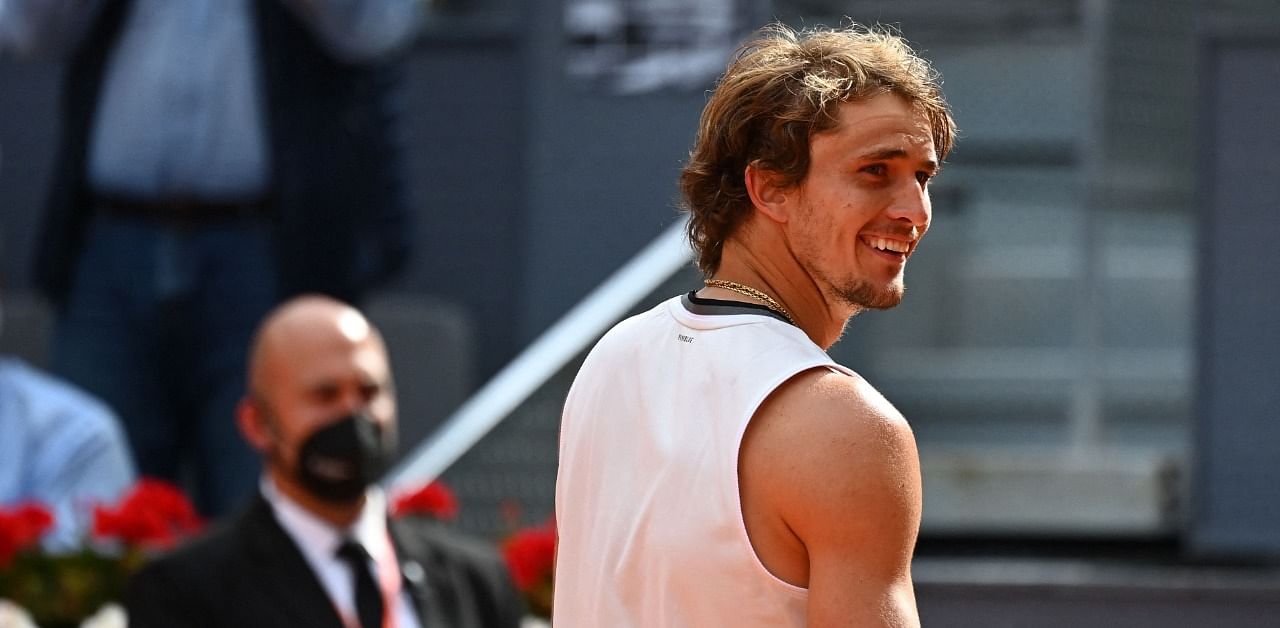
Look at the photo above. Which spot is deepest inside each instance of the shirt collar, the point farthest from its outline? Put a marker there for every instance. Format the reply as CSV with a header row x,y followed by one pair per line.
x,y
320,538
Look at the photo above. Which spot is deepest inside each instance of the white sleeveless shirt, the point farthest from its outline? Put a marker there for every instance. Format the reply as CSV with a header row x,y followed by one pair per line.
x,y
647,501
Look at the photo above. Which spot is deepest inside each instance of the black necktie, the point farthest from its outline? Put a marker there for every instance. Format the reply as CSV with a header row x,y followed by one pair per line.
x,y
368,595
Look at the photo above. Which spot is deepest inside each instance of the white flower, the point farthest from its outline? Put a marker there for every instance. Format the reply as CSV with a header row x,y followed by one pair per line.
x,y
109,616
14,616
529,621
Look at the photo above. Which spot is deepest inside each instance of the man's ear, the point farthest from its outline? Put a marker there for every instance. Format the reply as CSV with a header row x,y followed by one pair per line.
x,y
768,191
254,424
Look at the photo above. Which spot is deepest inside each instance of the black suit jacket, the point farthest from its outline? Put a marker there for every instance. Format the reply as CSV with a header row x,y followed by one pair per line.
x,y
249,573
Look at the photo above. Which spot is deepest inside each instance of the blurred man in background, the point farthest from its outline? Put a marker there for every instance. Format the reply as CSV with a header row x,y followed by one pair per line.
x,y
59,447
316,547
716,467
216,156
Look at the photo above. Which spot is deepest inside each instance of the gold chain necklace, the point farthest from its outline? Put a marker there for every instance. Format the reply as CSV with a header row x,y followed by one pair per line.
x,y
753,293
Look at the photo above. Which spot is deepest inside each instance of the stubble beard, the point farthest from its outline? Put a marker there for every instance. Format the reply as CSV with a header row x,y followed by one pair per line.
x,y
858,293
862,295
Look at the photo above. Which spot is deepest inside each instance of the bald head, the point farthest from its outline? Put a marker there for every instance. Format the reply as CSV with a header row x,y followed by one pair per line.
x,y
315,362
301,328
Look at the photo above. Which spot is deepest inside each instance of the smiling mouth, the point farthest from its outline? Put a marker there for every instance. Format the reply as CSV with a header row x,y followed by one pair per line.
x,y
897,249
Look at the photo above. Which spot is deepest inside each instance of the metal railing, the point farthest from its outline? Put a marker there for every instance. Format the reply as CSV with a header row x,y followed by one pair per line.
x,y
568,337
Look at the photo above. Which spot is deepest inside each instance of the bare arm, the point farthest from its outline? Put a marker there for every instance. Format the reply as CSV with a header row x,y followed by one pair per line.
x,y
837,465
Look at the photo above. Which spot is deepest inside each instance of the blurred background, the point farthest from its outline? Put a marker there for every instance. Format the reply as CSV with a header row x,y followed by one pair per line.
x,y
1089,351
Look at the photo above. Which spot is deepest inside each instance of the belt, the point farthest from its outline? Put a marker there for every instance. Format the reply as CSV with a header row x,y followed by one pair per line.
x,y
181,212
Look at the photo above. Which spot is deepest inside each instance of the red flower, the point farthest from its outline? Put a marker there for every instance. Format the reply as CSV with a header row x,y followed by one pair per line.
x,y
530,554
153,514
21,528
434,500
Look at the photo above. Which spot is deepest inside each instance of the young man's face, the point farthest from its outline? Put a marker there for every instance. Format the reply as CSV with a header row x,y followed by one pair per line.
x,y
864,204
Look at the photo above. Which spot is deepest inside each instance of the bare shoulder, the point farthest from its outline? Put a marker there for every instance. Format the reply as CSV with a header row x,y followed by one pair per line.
x,y
838,464
837,418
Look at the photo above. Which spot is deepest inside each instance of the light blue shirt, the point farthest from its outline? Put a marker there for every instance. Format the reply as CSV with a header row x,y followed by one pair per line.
x,y
179,115
59,447
181,111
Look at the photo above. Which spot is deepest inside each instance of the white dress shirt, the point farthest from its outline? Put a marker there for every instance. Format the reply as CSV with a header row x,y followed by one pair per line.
x,y
319,541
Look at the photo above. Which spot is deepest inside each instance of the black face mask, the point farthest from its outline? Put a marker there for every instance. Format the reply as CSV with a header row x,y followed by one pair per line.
x,y
339,461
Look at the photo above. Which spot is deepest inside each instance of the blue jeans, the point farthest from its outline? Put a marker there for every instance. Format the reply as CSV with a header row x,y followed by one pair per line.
x,y
158,324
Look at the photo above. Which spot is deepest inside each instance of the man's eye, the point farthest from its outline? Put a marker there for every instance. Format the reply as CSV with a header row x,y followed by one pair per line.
x,y
876,169
923,177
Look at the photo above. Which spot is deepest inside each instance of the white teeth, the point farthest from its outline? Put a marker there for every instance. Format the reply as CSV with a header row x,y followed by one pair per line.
x,y
885,244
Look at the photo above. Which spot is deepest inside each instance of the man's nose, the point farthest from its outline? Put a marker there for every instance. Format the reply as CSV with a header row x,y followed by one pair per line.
x,y
352,401
911,204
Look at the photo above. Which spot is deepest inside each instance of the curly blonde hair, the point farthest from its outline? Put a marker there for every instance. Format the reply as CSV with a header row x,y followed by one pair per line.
x,y
782,88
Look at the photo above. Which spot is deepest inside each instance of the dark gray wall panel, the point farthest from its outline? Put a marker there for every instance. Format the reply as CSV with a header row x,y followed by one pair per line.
x,y
1236,508
466,169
